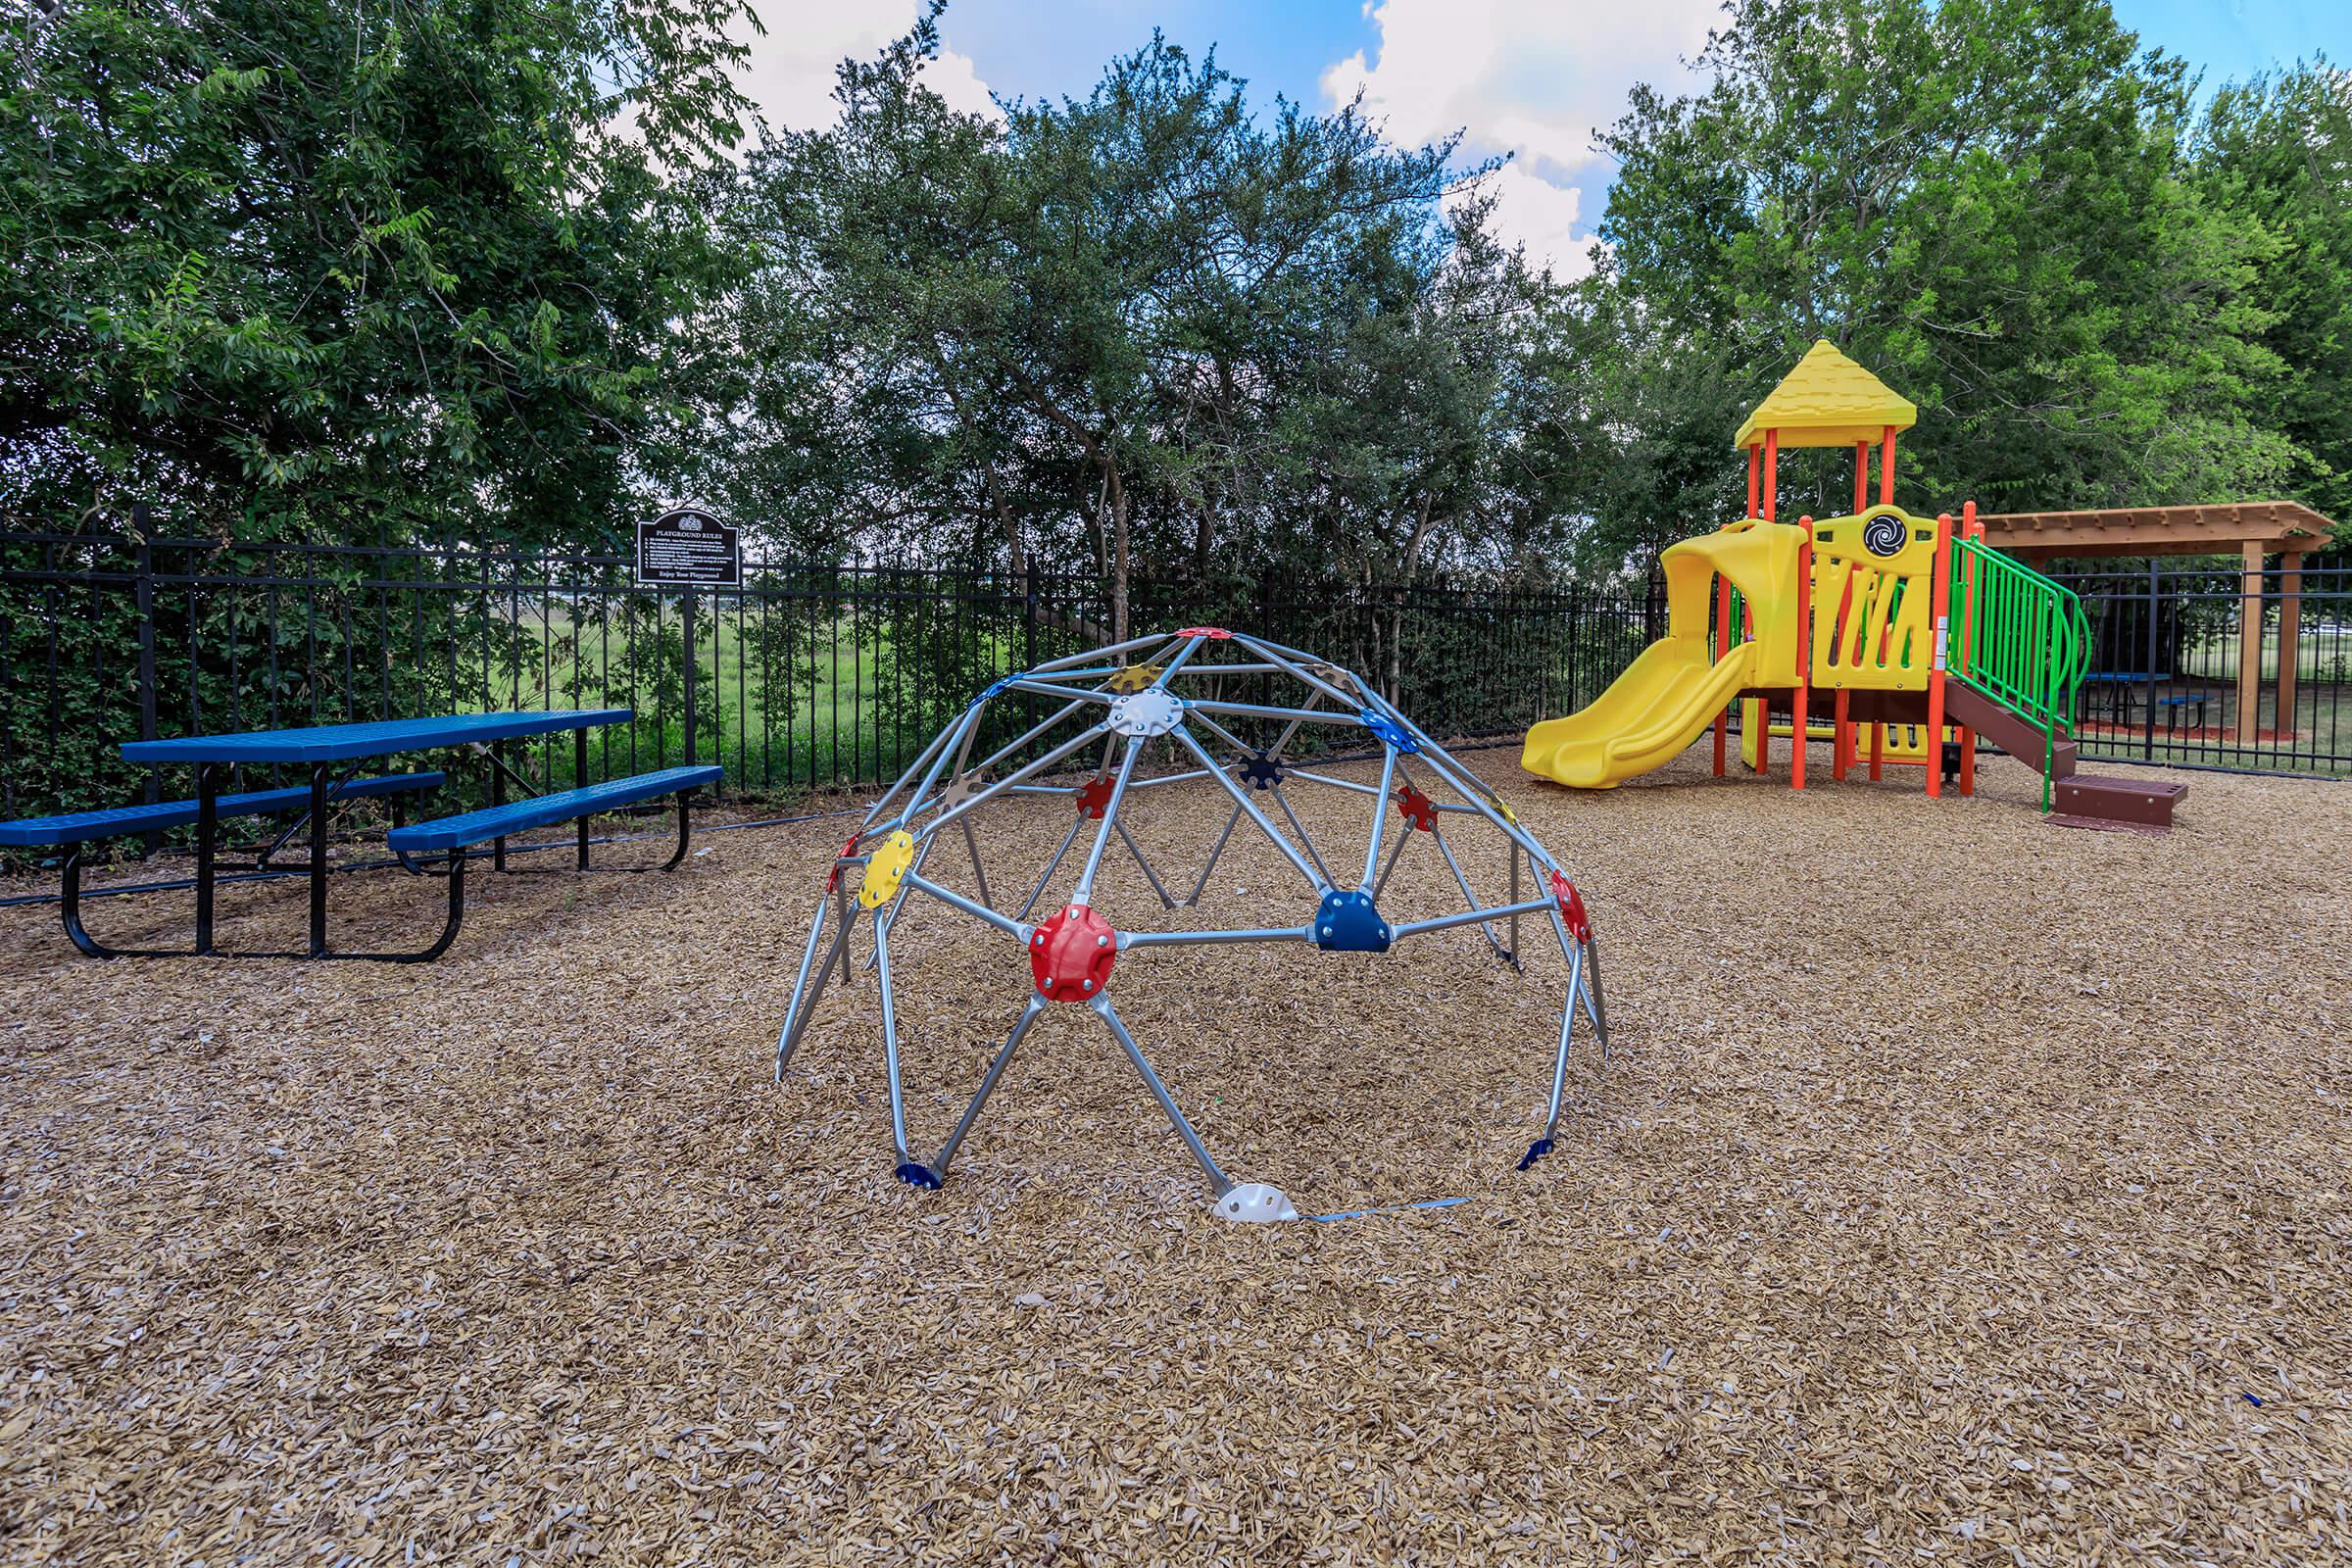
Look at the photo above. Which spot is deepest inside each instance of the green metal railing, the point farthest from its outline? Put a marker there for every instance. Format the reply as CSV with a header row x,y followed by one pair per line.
x,y
2020,639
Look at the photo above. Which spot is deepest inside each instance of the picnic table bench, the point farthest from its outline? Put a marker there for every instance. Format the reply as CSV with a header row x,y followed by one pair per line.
x,y
334,753
452,836
2116,688
2113,687
2178,703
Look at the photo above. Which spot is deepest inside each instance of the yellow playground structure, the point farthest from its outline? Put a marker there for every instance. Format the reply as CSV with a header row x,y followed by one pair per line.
x,y
1913,627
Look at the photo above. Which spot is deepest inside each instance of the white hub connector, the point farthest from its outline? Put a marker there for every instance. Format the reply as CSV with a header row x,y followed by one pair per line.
x,y
1147,713
1255,1203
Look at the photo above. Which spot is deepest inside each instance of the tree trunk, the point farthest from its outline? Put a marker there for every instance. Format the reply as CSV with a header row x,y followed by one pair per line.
x,y
1096,535
1017,554
1395,645
1118,557
1393,676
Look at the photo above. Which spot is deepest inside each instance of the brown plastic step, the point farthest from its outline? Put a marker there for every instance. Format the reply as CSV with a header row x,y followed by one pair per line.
x,y
2006,729
2126,802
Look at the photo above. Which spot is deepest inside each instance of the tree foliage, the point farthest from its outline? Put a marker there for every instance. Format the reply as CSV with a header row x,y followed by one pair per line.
x,y
1145,331
312,269
1993,203
2278,152
490,269
1139,326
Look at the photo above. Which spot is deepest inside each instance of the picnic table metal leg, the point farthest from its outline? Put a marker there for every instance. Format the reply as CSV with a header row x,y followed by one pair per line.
x,y
456,879
318,861
457,912
580,777
70,912
208,820
70,907
497,797
672,864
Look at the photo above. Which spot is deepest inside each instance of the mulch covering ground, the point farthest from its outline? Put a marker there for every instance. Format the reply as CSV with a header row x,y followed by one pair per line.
x,y
1962,1189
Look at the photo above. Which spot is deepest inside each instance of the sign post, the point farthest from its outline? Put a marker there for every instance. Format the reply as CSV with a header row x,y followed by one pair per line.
x,y
687,549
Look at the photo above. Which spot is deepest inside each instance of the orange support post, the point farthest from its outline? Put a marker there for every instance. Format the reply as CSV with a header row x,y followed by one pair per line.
x,y
1755,460
1878,752
1861,474
1939,611
1887,467
1772,472
1804,656
1970,528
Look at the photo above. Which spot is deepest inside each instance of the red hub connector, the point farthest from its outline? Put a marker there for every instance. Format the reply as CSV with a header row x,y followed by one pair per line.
x,y
1093,796
1070,955
849,847
1572,908
1416,807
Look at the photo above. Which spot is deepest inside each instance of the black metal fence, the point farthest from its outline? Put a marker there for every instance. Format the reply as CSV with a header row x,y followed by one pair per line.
x,y
2215,666
813,676
818,676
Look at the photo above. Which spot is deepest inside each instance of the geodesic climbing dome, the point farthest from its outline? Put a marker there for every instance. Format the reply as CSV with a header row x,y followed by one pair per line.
x,y
1228,710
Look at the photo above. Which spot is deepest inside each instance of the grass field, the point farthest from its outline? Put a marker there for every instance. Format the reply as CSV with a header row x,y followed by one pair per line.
x,y
2319,659
804,712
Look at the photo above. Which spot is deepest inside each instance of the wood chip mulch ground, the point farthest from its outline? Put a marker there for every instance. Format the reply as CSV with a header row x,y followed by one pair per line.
x,y
1963,1189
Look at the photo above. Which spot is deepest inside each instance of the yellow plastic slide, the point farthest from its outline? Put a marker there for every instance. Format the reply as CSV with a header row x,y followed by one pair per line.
x,y
1673,692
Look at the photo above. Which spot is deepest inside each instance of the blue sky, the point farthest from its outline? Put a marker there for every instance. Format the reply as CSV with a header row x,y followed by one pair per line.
x,y
1049,47
1530,77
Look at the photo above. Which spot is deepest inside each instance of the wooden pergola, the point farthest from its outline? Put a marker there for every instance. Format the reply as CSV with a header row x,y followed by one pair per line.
x,y
2251,529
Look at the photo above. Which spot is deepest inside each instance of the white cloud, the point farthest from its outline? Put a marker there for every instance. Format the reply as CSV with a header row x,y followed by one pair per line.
x,y
1540,217
953,77
1534,79
790,72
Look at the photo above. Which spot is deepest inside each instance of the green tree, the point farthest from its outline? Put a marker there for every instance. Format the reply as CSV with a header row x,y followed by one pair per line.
x,y
1987,202
293,267
2275,154
1631,429
1144,332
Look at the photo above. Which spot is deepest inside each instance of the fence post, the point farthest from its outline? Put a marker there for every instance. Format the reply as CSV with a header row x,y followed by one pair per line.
x,y
2155,651
1029,616
686,622
144,556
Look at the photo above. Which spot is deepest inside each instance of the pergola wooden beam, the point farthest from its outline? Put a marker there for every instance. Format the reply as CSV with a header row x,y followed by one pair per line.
x,y
2250,529
2278,526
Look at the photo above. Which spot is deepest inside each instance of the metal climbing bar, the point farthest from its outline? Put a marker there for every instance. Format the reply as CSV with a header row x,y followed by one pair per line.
x,y
1076,953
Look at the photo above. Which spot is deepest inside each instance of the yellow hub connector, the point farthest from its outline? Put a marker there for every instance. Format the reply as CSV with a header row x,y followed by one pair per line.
x,y
886,866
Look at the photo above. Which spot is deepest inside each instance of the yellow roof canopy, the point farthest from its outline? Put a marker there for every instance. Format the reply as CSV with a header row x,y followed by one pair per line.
x,y
1827,401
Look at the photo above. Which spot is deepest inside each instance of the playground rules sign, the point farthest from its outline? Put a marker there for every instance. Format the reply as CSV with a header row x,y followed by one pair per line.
x,y
686,548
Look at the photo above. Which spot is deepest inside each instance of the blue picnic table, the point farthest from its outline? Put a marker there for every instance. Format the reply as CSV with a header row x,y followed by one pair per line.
x,y
2116,684
334,756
